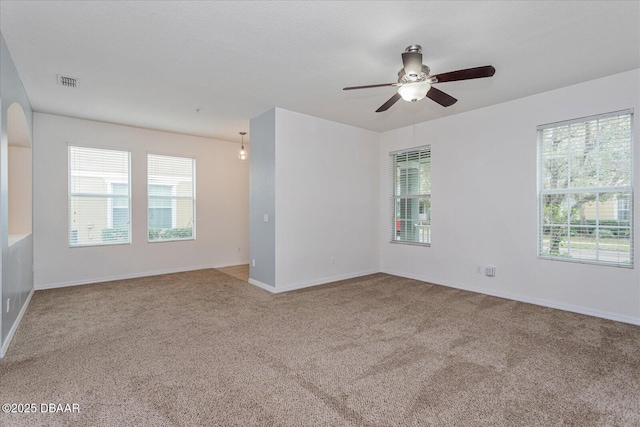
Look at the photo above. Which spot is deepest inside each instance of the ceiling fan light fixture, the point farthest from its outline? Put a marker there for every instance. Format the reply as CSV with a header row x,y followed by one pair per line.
x,y
413,92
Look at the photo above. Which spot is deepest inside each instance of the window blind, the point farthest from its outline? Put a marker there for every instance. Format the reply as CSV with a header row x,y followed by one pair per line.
x,y
585,168
171,198
411,196
99,201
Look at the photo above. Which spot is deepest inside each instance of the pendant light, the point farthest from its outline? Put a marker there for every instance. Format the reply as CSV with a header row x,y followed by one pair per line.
x,y
243,154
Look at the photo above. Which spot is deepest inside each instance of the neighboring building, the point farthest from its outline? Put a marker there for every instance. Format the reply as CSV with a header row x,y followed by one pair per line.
x,y
617,208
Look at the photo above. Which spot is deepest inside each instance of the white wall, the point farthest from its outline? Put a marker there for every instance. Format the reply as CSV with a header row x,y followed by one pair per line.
x,y
327,192
20,190
222,193
484,203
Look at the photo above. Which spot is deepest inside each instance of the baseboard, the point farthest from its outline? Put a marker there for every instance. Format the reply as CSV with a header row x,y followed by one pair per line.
x,y
131,276
14,328
302,285
310,283
520,298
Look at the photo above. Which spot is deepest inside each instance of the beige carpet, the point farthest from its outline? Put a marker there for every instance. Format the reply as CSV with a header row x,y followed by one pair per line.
x,y
238,271
204,349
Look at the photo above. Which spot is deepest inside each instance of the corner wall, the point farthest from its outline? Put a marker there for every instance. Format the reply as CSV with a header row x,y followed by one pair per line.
x,y
262,234
222,197
484,200
327,191
16,264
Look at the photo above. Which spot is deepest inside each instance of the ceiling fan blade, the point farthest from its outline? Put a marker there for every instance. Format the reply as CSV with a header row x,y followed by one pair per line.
x,y
440,97
469,73
368,86
389,103
412,62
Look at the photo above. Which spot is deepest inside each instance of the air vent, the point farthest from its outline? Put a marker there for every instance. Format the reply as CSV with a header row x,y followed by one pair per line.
x,y
67,81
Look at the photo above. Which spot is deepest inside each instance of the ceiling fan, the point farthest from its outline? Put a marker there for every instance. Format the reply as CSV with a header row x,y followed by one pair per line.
x,y
414,81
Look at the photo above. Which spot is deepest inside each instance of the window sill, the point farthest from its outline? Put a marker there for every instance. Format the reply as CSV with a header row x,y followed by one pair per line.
x,y
171,240
97,245
585,261
400,242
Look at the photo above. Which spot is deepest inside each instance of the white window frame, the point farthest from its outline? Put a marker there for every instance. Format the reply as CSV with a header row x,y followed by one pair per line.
x,y
395,197
589,190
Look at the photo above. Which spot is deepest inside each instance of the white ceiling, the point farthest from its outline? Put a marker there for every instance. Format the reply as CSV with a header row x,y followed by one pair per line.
x,y
154,63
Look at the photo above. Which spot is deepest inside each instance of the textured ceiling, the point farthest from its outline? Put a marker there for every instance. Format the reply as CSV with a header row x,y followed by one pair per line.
x,y
153,64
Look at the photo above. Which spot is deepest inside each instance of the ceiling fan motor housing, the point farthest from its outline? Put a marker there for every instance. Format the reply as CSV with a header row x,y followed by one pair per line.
x,y
404,78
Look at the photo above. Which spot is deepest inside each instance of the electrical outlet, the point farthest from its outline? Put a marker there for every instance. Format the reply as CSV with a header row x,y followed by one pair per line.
x,y
478,269
265,218
253,263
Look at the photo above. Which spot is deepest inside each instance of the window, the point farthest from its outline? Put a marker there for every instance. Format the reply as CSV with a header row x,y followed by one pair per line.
x,y
411,198
99,197
171,198
585,190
